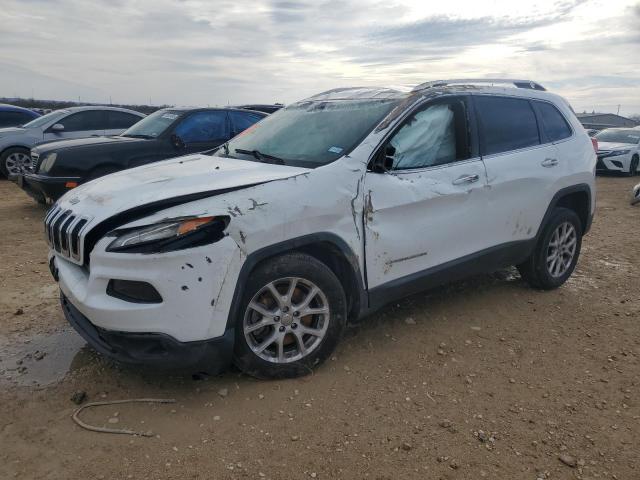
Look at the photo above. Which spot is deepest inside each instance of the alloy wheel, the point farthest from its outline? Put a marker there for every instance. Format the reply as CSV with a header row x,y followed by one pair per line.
x,y
17,163
286,320
561,249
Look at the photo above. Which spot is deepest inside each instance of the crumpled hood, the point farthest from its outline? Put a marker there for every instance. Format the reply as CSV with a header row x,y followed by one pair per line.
x,y
615,146
193,174
88,142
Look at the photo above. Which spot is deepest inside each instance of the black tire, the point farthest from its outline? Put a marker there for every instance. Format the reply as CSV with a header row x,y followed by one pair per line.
x,y
300,265
534,270
633,167
6,154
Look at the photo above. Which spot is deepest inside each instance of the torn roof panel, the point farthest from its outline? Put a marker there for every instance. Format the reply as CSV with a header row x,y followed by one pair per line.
x,y
357,93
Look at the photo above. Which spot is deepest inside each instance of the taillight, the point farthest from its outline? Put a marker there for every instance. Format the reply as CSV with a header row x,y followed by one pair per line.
x,y
594,142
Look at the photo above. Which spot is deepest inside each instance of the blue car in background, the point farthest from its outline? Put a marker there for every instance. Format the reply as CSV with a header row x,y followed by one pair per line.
x,y
12,116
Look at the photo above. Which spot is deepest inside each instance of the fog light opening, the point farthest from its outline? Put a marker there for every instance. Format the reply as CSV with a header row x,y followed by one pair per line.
x,y
133,291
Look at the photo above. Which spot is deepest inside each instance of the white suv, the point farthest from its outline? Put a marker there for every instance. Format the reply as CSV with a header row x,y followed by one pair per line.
x,y
263,250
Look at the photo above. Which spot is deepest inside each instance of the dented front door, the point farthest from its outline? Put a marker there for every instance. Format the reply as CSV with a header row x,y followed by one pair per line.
x,y
419,219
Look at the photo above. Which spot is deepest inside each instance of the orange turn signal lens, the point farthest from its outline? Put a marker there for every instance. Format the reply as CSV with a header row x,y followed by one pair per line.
x,y
190,225
71,184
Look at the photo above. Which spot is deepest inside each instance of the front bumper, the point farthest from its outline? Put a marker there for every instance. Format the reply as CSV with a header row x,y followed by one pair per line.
x,y
158,349
613,163
43,186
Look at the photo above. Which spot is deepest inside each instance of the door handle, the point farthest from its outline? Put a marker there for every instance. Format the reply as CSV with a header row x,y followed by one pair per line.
x,y
466,179
549,162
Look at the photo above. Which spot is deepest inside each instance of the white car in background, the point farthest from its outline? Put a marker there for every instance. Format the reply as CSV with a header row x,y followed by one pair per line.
x,y
618,150
74,122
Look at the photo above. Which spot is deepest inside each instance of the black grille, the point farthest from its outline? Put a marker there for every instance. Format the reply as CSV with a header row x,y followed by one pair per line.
x,y
34,161
63,230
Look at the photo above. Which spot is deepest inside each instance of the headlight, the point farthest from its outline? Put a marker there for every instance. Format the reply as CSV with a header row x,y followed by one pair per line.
x,y
48,162
170,235
615,153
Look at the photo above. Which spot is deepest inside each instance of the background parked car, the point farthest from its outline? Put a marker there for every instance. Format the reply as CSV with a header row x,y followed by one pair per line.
x,y
60,166
12,116
75,122
618,150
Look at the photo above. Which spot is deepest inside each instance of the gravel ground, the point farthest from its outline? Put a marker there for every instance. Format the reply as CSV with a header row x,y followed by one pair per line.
x,y
485,378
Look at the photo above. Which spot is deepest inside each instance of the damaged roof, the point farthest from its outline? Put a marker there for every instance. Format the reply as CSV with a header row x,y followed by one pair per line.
x,y
357,93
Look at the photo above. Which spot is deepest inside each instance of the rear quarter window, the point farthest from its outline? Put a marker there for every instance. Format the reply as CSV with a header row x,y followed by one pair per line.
x,y
554,125
121,120
506,124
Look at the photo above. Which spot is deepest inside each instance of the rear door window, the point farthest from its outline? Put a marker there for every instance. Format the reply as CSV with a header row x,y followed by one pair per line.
x,y
121,120
12,119
553,123
84,121
506,124
240,121
203,127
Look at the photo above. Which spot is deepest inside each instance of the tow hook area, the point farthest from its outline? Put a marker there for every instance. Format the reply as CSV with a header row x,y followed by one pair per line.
x,y
53,269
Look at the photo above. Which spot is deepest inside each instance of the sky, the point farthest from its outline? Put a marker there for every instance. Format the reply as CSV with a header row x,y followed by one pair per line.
x,y
220,52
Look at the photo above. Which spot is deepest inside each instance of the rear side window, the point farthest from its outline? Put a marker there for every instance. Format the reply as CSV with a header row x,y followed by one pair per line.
x,y
203,127
84,121
553,123
13,119
121,120
506,124
240,121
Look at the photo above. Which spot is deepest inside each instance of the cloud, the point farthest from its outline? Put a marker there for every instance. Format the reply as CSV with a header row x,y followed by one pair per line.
x,y
203,52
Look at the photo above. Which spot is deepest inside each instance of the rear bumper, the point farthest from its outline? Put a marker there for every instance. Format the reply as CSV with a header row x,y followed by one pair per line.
x,y
43,186
158,349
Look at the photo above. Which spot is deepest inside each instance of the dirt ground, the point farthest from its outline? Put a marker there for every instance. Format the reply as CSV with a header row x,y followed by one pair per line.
x,y
485,378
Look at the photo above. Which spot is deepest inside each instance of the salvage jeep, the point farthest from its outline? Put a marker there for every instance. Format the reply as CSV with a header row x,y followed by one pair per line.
x,y
261,252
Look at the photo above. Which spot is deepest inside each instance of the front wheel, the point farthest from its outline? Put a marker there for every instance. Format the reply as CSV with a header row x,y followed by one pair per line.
x,y
556,253
633,166
14,161
293,314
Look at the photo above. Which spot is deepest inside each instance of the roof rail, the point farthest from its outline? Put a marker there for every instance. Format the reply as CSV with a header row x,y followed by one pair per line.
x,y
530,84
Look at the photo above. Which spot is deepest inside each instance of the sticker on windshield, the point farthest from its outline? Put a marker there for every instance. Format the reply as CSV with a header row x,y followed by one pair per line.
x,y
335,150
170,116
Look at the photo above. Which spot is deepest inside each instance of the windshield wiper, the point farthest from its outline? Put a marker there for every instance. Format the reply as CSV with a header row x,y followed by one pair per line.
x,y
261,157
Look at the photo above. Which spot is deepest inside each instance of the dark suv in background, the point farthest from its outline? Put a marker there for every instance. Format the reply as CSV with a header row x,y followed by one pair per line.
x,y
12,116
171,132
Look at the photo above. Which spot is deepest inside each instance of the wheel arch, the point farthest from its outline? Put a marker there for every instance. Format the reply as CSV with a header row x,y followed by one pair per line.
x,y
328,248
25,147
576,198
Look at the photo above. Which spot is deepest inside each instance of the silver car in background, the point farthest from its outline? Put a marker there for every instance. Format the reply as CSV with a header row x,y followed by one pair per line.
x,y
74,122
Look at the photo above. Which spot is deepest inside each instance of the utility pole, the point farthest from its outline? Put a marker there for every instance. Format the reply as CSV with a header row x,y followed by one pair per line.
x,y
618,110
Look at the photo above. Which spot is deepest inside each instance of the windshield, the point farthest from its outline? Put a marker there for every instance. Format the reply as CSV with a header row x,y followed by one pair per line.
x,y
45,119
310,134
619,136
152,125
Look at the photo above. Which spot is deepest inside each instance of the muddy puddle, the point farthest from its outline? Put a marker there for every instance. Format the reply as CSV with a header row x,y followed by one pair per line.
x,y
42,359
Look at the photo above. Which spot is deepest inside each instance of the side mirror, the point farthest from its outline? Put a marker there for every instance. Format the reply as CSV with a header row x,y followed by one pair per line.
x,y
57,127
383,161
177,142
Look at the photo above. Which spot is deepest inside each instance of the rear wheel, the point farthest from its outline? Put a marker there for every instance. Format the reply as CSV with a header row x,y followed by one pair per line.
x,y
293,314
14,161
556,253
